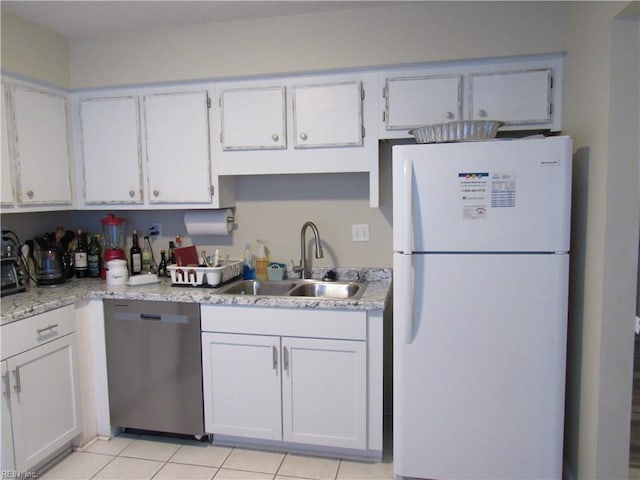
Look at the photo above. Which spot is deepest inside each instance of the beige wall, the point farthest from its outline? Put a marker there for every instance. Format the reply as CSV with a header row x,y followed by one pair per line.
x,y
404,33
601,113
34,52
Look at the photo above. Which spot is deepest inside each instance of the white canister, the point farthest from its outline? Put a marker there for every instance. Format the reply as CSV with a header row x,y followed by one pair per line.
x,y
117,273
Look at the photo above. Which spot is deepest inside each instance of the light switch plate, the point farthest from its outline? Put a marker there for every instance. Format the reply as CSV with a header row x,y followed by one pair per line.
x,y
360,232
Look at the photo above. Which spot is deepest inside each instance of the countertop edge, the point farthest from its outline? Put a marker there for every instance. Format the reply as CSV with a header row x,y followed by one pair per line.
x,y
40,300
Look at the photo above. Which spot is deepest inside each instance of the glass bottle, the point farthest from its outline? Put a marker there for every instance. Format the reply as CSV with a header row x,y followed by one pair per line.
x,y
94,257
162,266
171,259
135,254
148,265
80,254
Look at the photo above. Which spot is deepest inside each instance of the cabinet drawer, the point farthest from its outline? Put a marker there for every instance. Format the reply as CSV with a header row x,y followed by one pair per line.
x,y
31,332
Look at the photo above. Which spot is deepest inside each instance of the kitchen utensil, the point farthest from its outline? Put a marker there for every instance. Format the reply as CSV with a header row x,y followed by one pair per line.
x,y
113,230
462,131
116,272
186,255
49,262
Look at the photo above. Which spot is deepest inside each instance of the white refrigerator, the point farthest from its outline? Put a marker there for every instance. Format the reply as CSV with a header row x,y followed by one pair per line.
x,y
481,264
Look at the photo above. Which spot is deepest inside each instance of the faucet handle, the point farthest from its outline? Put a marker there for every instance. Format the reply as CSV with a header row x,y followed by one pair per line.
x,y
296,268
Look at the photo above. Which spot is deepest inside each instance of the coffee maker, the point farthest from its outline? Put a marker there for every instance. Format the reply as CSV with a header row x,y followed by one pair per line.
x,y
113,234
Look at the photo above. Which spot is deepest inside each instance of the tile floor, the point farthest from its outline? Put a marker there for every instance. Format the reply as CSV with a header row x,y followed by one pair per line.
x,y
144,457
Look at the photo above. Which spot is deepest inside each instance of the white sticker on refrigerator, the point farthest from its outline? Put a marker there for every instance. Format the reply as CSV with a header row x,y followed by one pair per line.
x,y
474,187
503,189
474,194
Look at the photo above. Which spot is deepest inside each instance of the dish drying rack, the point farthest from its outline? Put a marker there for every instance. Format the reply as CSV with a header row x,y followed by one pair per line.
x,y
192,276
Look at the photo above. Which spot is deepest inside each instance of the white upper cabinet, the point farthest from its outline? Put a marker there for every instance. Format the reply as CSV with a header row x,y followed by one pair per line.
x,y
111,152
520,97
297,125
8,198
253,118
41,148
414,101
327,115
177,135
523,92
148,148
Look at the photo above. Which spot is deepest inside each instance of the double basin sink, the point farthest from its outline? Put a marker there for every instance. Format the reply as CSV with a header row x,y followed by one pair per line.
x,y
297,288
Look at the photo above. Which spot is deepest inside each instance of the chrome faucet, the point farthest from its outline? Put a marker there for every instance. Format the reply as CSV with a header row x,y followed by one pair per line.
x,y
303,268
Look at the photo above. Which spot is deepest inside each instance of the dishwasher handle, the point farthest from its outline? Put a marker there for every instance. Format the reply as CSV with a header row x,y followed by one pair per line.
x,y
154,317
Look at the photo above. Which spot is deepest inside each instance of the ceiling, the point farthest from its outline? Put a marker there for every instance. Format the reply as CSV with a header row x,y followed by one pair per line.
x,y
77,19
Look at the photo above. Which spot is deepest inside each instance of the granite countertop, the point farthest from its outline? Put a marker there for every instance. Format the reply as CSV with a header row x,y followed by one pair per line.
x,y
38,300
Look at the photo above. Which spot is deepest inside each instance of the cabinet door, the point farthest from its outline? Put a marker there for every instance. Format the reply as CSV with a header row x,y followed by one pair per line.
x,y
517,97
7,190
7,433
44,401
327,115
324,392
422,100
253,119
177,134
241,383
110,131
41,150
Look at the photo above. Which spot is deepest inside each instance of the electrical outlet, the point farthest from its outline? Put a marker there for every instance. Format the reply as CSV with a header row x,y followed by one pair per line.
x,y
155,230
360,233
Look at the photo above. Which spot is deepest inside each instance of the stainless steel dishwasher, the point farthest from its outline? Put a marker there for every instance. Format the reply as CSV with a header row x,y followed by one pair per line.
x,y
154,366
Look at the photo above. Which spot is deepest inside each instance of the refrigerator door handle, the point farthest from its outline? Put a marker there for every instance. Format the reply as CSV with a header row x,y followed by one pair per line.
x,y
403,295
407,190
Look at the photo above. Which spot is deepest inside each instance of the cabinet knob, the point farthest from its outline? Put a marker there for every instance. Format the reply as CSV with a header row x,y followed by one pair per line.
x,y
132,193
30,194
450,115
156,193
482,113
303,136
275,137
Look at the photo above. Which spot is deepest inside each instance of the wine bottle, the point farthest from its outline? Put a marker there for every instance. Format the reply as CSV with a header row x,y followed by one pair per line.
x,y
94,257
80,260
162,266
135,254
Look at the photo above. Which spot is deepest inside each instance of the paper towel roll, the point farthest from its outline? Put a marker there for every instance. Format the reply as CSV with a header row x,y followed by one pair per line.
x,y
209,222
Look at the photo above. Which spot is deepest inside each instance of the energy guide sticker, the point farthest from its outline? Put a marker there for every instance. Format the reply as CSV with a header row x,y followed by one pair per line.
x,y
503,189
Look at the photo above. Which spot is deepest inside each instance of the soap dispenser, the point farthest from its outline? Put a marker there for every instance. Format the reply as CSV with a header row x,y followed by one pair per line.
x,y
248,272
262,263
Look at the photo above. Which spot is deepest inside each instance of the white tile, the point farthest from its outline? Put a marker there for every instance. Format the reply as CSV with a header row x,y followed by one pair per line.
x,y
78,466
361,470
178,471
224,474
253,461
113,446
206,455
123,468
309,467
151,449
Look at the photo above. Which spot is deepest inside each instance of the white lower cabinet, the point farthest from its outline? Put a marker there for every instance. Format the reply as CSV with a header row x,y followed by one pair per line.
x,y
40,389
324,392
308,386
302,390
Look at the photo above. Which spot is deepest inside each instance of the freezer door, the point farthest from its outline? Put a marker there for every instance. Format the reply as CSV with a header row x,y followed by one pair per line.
x,y
493,196
479,365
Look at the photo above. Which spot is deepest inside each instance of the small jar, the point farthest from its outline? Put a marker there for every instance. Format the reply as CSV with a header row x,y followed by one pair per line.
x,y
117,273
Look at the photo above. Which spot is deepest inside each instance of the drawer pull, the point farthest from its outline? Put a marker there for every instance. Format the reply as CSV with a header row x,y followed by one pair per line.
x,y
17,386
48,327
